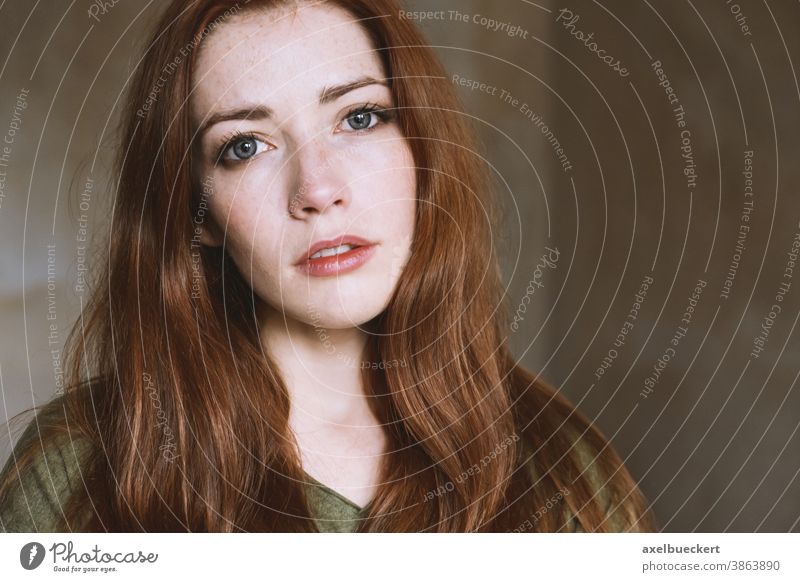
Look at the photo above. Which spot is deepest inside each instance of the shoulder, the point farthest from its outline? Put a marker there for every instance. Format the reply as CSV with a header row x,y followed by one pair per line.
x,y
614,489
43,470
577,459
590,465
598,483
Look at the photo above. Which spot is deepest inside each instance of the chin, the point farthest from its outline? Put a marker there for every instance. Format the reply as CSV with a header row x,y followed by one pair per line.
x,y
351,300
340,313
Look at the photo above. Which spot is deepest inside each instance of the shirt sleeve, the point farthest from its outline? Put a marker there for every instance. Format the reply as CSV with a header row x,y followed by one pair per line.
x,y
37,503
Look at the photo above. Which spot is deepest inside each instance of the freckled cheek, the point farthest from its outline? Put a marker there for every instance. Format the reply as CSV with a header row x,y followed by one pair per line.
x,y
387,194
251,222
388,178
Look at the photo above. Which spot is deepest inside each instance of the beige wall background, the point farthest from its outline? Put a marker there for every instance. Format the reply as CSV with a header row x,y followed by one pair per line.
x,y
713,442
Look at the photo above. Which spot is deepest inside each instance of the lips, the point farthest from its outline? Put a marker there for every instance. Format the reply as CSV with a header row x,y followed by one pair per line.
x,y
327,265
345,239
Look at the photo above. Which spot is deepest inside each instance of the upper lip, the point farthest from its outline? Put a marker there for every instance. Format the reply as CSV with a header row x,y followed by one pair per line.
x,y
345,239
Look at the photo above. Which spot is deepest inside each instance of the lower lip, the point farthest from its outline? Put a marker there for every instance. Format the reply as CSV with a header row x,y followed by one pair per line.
x,y
338,264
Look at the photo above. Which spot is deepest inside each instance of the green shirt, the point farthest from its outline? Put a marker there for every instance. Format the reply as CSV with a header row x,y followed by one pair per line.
x,y
37,504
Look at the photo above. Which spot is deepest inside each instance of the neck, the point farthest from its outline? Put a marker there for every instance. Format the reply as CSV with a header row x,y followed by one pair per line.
x,y
322,371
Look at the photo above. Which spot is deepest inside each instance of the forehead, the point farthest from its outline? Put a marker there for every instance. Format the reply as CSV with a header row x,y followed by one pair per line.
x,y
281,54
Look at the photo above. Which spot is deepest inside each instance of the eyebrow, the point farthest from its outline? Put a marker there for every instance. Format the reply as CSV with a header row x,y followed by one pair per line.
x,y
259,112
330,94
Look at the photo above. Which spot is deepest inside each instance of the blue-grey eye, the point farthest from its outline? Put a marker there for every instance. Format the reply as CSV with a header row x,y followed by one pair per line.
x,y
360,120
245,148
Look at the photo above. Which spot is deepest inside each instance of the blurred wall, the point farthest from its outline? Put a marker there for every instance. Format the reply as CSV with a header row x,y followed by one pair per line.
x,y
685,171
61,79
626,185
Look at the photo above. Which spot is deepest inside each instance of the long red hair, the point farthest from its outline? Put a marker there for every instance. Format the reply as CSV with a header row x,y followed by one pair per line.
x,y
157,350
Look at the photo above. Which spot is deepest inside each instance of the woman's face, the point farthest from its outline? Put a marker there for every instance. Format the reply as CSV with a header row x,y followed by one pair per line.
x,y
282,104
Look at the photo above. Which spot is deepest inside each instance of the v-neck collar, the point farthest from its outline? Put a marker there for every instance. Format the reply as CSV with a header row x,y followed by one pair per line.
x,y
319,485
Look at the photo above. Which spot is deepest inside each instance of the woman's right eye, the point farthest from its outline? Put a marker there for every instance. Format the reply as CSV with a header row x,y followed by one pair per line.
x,y
242,148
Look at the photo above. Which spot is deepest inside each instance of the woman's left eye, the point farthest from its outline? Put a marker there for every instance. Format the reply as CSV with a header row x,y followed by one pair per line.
x,y
363,119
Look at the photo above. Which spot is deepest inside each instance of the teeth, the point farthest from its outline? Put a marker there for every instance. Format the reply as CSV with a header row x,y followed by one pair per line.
x,y
331,252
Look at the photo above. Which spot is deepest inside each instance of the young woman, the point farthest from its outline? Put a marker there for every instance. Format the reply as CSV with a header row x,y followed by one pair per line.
x,y
301,326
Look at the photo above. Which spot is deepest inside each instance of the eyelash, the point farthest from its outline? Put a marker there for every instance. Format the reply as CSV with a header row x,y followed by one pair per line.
x,y
384,116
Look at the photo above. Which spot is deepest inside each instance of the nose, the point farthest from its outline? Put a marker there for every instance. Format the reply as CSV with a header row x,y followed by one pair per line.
x,y
320,180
